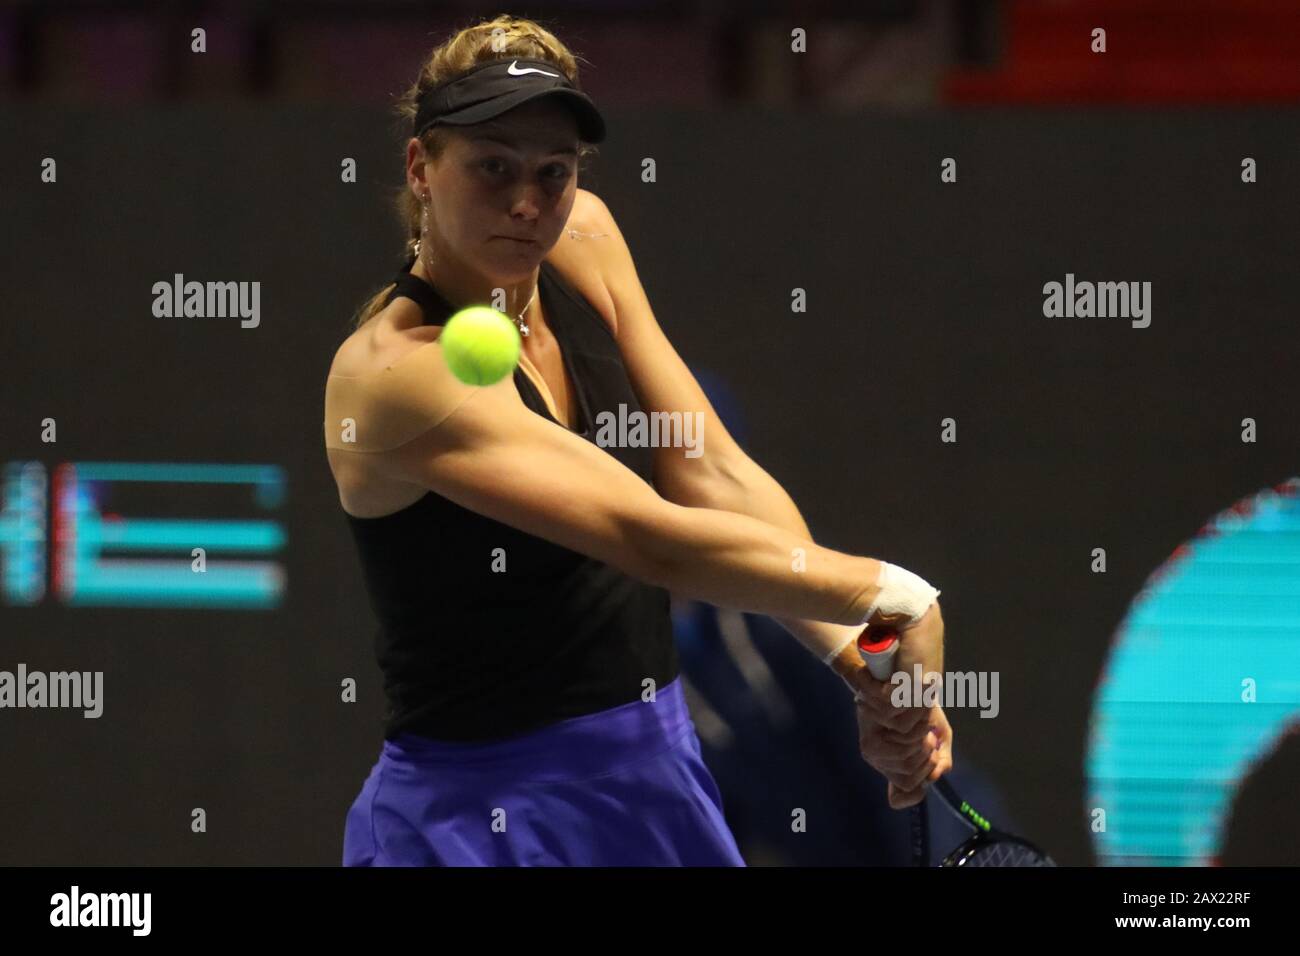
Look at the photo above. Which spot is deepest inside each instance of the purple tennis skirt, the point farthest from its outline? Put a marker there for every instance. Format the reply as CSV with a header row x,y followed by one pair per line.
x,y
621,787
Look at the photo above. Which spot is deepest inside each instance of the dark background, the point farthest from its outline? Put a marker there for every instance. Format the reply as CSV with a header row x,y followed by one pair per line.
x,y
924,303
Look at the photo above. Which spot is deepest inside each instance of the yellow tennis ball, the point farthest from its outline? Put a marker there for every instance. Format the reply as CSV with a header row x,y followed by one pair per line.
x,y
480,344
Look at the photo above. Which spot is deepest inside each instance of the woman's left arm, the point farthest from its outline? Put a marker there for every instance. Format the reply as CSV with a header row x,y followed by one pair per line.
x,y
722,476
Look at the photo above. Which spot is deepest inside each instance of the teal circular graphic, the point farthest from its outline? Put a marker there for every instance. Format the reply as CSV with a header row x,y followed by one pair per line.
x,y
1202,681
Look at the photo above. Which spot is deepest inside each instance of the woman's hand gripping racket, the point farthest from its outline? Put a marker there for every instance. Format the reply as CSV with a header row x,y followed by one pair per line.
x,y
988,846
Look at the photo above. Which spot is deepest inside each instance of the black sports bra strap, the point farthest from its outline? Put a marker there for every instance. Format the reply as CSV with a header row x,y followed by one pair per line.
x,y
436,309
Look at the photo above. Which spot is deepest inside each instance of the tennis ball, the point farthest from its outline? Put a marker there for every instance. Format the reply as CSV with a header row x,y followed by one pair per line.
x,y
480,344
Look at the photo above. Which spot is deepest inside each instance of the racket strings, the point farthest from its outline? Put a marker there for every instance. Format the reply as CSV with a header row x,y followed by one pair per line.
x,y
1000,853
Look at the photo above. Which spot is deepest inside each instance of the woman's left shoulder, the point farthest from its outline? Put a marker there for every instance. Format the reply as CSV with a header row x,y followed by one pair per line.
x,y
576,257
588,209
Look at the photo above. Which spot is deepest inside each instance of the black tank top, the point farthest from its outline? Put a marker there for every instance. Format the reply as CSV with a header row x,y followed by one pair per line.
x,y
469,653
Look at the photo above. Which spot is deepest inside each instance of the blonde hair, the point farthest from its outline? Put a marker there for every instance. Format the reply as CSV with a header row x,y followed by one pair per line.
x,y
503,37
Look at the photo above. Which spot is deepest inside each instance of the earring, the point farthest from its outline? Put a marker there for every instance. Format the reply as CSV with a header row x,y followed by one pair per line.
x,y
424,226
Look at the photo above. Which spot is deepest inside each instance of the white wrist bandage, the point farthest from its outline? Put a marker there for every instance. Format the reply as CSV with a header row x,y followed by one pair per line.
x,y
901,592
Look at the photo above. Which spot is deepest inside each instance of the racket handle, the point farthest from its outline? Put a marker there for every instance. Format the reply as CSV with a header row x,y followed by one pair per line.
x,y
878,654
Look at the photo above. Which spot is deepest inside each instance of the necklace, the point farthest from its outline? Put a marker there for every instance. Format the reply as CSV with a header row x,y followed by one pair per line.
x,y
518,320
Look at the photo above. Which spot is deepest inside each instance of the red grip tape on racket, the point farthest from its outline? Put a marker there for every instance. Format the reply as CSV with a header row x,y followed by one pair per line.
x,y
878,653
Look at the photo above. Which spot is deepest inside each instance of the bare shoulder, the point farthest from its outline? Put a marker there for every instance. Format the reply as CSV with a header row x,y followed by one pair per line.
x,y
383,339
587,209
578,255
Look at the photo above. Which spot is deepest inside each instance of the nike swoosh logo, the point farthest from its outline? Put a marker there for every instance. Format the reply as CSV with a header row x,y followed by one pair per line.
x,y
515,70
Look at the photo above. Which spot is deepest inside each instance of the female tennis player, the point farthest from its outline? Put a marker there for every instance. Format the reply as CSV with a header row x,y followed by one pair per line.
x,y
519,570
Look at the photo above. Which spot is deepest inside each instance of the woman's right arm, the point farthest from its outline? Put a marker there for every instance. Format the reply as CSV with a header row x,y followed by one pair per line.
x,y
496,457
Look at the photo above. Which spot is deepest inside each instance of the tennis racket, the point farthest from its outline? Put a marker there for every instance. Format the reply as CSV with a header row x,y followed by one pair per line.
x,y
987,846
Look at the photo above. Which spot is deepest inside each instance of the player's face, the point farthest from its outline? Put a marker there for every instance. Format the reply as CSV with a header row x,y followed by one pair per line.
x,y
503,190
